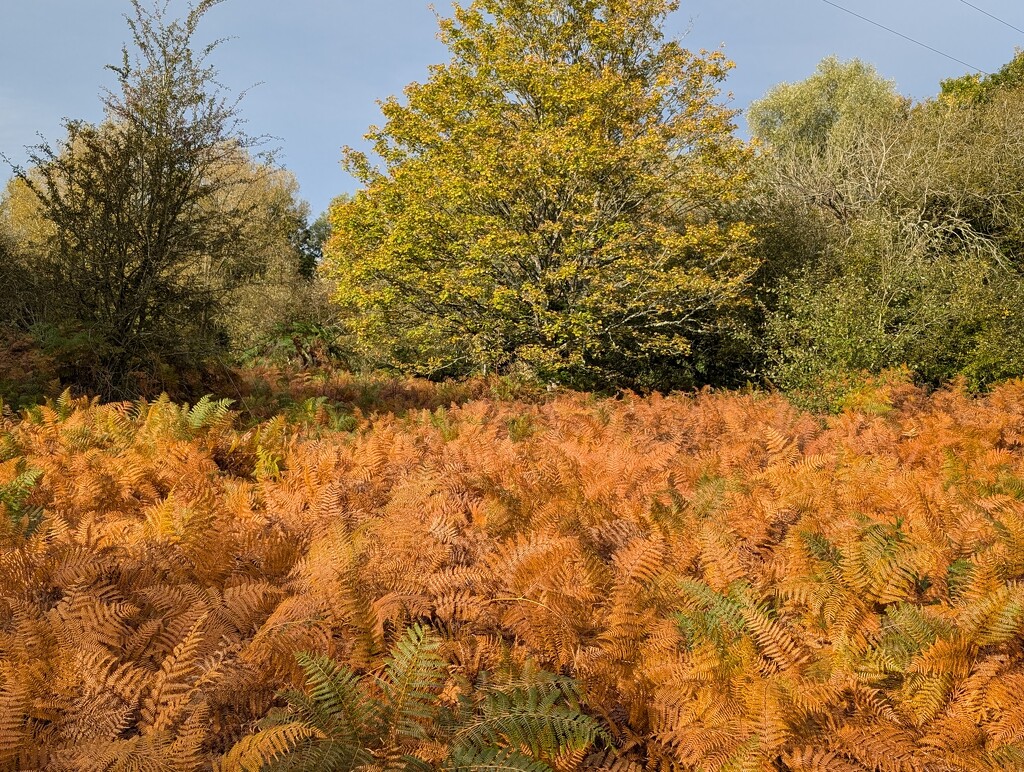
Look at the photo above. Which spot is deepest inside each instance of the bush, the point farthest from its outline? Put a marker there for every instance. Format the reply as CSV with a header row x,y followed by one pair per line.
x,y
897,296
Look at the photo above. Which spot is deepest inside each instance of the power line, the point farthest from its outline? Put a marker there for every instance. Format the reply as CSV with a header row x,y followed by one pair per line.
x,y
906,37
991,16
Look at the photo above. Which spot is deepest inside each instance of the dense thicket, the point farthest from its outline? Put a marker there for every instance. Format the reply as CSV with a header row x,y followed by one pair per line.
x,y
714,582
565,200
892,232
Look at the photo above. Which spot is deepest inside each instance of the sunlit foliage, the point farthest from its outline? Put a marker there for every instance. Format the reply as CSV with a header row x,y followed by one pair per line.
x,y
891,233
145,244
551,200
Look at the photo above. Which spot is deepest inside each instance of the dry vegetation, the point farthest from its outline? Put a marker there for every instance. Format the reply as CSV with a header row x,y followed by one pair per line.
x,y
730,583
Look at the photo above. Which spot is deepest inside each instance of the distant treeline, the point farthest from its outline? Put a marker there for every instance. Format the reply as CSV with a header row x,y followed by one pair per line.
x,y
564,201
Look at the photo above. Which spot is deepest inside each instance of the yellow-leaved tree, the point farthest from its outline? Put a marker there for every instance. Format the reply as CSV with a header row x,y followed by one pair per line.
x,y
555,199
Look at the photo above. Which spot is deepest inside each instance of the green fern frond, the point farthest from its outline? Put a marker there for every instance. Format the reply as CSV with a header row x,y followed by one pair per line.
x,y
208,412
959,576
493,760
413,678
820,548
530,719
544,717
336,704
1009,756
911,621
65,404
531,676
713,616
14,497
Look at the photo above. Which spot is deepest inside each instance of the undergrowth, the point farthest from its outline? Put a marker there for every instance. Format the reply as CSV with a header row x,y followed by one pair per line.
x,y
705,582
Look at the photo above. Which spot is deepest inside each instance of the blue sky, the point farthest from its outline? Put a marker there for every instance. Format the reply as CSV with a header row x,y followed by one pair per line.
x,y
322,64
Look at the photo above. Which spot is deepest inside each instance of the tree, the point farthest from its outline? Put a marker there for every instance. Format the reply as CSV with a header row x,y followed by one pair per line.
x,y
269,278
975,88
309,242
150,214
820,139
809,117
551,199
822,132
10,270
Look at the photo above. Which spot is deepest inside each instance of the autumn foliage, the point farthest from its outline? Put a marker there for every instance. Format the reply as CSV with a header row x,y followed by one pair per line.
x,y
557,199
681,583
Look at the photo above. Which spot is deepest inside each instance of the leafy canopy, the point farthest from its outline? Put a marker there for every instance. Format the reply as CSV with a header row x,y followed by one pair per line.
x,y
550,199
832,105
975,88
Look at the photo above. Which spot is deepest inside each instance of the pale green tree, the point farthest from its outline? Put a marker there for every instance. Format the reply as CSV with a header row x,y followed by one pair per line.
x,y
975,88
823,134
809,117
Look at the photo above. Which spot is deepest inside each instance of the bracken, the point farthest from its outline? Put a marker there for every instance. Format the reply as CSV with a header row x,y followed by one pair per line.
x,y
714,581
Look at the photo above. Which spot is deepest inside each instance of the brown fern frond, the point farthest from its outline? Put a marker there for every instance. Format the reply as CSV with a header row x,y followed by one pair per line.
x,y
811,759
172,687
257,751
